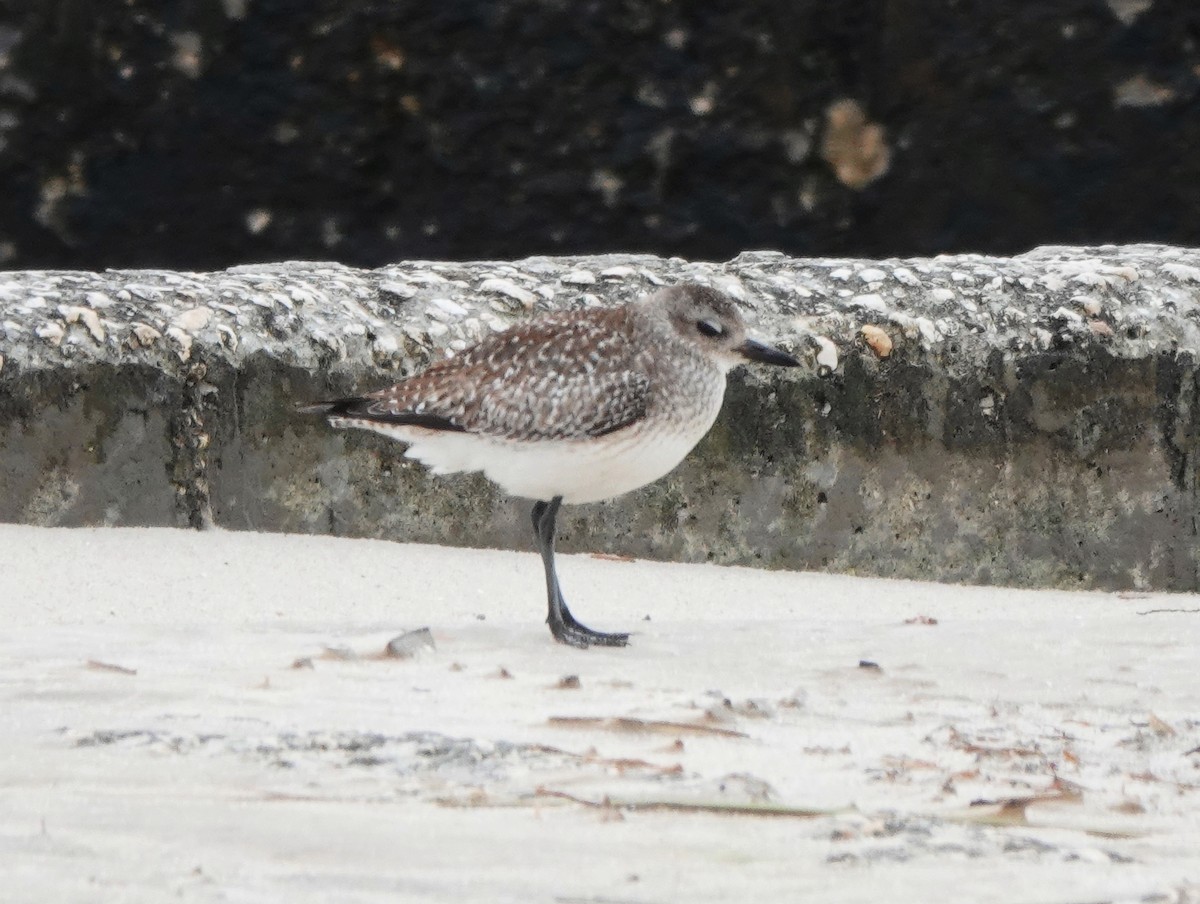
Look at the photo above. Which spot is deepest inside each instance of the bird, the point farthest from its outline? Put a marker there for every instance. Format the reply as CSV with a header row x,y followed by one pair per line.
x,y
570,407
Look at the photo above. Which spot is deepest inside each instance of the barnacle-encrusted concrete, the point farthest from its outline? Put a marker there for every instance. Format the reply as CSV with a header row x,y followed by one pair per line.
x,y
1029,420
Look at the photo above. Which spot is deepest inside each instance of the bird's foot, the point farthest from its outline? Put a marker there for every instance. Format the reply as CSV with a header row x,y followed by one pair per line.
x,y
573,634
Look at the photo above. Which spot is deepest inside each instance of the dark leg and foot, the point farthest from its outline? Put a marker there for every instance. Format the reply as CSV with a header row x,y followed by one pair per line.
x,y
562,624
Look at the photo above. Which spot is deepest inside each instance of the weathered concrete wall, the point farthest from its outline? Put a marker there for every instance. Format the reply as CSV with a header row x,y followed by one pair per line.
x,y
1034,422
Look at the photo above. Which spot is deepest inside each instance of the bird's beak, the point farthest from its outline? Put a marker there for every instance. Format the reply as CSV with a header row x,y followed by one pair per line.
x,y
754,350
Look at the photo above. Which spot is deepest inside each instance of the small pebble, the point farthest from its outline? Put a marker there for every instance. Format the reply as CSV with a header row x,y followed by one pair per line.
x,y
879,341
409,644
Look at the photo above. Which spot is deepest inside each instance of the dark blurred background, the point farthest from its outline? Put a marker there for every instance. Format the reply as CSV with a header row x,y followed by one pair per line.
x,y
204,133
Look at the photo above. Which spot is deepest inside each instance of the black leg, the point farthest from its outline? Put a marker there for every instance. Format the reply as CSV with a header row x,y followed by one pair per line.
x,y
563,625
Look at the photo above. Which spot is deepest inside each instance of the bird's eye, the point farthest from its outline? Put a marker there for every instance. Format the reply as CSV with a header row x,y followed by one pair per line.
x,y
709,328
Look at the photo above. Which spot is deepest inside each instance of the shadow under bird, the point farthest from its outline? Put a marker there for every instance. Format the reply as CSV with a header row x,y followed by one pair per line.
x,y
572,407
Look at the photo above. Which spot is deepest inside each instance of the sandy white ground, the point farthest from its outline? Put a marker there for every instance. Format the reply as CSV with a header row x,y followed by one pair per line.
x,y
206,766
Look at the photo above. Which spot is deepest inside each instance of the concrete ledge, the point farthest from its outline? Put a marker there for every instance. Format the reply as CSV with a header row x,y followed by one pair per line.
x,y
1033,421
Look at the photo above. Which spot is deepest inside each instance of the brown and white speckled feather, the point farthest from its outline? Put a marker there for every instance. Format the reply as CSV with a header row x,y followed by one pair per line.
x,y
564,376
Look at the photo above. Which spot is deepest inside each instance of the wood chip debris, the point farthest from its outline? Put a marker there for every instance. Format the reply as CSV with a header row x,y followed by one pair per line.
x,y
110,667
687,806
630,725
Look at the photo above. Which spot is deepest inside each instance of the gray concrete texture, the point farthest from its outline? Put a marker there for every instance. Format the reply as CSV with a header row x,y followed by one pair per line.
x,y
1028,420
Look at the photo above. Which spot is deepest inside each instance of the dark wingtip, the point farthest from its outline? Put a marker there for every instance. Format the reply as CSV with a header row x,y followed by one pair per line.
x,y
332,407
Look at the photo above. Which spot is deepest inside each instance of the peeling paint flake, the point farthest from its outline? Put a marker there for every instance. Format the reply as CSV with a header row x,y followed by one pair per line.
x,y
227,336
193,319
401,290
144,334
86,316
183,340
618,273
579,278
386,345
303,293
731,286
1067,315
510,289
98,300
1091,272
928,330
144,292
445,310
1182,272
52,331
871,302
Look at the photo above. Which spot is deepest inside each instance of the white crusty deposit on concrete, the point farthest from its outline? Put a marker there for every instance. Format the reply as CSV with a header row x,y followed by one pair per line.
x,y
1131,299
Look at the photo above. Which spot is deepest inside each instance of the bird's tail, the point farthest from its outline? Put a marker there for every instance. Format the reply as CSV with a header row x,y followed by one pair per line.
x,y
331,407
363,410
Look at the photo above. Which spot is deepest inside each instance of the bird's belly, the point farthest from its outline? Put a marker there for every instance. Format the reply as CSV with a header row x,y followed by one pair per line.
x,y
578,470
587,470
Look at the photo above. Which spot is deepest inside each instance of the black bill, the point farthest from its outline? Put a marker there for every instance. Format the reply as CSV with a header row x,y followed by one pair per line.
x,y
754,350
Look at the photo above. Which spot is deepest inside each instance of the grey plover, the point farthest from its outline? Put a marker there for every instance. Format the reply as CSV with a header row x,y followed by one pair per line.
x,y
571,407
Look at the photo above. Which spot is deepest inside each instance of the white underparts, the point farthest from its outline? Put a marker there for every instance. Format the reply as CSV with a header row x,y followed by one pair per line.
x,y
579,470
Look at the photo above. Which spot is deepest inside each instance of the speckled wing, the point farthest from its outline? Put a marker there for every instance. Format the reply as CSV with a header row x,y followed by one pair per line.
x,y
560,377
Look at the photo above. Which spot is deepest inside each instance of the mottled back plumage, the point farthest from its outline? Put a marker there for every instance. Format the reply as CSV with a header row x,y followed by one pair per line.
x,y
563,376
